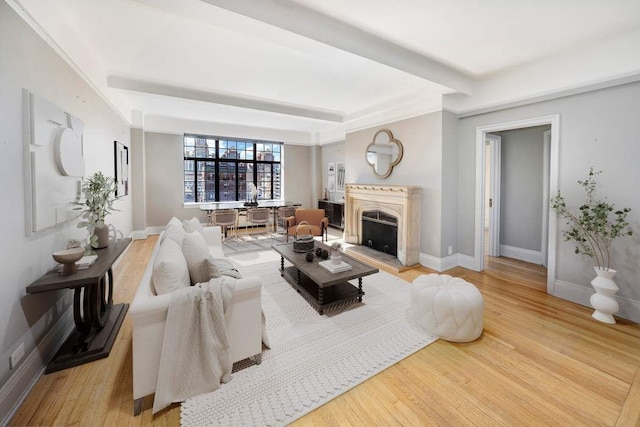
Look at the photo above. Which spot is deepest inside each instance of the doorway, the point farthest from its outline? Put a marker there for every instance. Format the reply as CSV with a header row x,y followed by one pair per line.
x,y
483,134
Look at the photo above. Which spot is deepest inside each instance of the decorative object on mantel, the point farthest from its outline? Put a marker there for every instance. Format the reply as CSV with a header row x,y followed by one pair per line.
x,y
68,258
593,230
99,193
384,153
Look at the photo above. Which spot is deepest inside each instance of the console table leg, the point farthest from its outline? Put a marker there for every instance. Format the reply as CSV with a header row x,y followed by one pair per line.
x,y
360,288
81,317
282,266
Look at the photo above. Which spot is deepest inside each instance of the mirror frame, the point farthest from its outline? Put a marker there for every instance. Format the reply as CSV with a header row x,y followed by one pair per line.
x,y
392,140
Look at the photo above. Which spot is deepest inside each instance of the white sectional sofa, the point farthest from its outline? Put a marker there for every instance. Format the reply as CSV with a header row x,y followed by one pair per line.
x,y
148,312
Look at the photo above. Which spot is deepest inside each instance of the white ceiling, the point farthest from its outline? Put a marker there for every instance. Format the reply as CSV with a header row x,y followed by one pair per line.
x,y
324,67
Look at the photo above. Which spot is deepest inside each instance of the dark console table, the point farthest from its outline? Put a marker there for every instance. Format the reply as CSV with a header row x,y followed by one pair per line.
x,y
334,211
97,319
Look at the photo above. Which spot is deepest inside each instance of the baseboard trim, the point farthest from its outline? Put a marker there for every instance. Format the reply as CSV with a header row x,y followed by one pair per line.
x,y
467,261
155,230
629,309
139,234
16,389
439,264
534,257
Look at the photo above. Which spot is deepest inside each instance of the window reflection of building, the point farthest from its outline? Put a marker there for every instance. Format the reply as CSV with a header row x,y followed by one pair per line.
x,y
225,178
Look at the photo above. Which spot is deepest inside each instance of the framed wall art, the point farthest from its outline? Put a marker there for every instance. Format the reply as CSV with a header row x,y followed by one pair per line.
x,y
121,154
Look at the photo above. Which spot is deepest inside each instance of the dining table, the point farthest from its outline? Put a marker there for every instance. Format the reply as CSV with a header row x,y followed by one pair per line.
x,y
243,206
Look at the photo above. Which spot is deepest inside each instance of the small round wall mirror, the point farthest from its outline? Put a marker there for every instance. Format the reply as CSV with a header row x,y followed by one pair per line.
x,y
384,153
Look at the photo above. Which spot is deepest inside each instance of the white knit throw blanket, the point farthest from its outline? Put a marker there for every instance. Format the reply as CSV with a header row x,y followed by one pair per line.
x,y
195,352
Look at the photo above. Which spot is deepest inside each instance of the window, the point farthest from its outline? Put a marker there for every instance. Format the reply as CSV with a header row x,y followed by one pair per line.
x,y
218,169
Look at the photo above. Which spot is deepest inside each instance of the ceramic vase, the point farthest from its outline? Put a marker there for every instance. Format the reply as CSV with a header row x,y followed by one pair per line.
x,y
603,301
103,236
336,258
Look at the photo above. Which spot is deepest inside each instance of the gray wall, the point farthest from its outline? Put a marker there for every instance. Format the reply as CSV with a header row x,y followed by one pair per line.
x,y
421,165
332,153
297,179
165,176
521,187
599,128
449,218
40,320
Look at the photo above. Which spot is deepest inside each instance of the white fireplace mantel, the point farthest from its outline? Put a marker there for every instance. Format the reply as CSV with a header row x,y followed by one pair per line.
x,y
400,201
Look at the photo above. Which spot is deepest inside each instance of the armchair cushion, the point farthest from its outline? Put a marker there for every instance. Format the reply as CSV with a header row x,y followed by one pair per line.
x,y
316,220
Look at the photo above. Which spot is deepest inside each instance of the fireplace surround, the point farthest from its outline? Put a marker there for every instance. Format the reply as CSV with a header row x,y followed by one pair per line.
x,y
401,202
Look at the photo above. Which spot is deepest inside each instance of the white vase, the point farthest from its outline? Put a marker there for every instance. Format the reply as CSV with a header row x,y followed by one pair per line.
x,y
603,301
336,258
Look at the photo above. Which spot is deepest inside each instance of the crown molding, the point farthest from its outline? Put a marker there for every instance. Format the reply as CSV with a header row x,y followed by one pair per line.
x,y
17,6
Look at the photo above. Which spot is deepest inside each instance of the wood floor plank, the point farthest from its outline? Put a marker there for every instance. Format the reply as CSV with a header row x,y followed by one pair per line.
x,y
541,360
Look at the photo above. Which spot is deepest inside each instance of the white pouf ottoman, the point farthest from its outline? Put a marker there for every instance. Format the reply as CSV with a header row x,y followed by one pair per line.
x,y
448,307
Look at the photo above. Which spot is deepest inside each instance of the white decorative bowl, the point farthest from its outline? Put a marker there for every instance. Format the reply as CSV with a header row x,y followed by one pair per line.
x,y
68,258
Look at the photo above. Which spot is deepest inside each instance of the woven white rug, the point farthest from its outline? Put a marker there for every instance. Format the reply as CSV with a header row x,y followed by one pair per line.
x,y
313,358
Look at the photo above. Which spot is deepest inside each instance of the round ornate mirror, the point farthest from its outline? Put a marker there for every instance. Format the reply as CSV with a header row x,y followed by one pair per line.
x,y
384,153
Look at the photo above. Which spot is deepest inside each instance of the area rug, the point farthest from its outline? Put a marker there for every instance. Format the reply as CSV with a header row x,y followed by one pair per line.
x,y
312,358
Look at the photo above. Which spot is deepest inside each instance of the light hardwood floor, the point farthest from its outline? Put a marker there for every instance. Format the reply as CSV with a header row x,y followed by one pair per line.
x,y
540,361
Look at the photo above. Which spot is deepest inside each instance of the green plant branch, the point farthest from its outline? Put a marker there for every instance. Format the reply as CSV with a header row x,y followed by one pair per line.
x,y
593,229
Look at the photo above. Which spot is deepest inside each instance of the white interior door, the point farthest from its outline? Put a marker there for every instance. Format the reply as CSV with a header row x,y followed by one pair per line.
x,y
494,158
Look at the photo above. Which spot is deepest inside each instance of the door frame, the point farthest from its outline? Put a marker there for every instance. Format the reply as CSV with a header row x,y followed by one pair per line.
x,y
544,240
495,150
481,135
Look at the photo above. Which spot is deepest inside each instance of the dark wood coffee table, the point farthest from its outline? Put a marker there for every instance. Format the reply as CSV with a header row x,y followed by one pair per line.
x,y
321,288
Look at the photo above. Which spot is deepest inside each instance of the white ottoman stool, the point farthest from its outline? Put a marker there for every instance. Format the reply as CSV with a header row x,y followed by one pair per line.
x,y
448,307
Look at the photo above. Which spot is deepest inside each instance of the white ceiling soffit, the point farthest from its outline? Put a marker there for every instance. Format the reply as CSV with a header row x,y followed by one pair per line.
x,y
310,23
155,88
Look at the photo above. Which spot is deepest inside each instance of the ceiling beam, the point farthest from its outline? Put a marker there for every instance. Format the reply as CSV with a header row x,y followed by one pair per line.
x,y
155,88
302,20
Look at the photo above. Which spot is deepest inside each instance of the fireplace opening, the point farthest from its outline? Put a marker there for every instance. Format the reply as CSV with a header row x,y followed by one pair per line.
x,y
380,231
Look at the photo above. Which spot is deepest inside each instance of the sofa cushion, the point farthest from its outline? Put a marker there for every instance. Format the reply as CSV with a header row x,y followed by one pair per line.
x,y
170,271
199,261
174,232
193,224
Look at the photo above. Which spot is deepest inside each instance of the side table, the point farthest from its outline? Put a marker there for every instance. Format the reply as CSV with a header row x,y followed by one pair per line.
x,y
97,320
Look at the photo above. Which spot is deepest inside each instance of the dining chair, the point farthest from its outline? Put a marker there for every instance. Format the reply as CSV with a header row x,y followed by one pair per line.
x,y
228,220
283,213
258,216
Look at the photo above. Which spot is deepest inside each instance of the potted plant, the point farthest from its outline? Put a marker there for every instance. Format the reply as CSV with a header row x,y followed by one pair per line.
x,y
99,194
593,228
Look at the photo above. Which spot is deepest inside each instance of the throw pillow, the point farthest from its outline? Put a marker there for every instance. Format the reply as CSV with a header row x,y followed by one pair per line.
x,y
170,271
193,224
199,261
173,232
175,221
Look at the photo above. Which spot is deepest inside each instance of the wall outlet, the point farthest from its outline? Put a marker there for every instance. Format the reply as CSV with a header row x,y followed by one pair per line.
x,y
450,250
16,356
